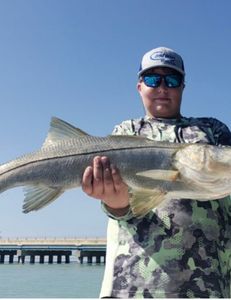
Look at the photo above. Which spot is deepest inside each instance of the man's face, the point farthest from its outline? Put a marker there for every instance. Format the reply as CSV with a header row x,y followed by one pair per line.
x,y
161,102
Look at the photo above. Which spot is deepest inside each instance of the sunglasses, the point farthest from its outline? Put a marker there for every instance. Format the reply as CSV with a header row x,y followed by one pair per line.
x,y
170,80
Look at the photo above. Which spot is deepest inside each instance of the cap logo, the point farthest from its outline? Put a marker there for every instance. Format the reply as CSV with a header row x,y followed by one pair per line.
x,y
164,58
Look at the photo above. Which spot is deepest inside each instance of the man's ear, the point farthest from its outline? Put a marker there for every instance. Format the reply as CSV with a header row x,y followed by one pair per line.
x,y
138,86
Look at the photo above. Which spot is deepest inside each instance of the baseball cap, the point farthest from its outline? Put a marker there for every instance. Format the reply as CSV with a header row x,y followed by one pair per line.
x,y
161,57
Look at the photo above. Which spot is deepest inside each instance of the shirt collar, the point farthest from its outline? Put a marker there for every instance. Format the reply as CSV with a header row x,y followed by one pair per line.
x,y
163,120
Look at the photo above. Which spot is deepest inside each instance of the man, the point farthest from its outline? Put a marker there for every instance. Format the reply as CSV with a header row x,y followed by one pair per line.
x,y
183,248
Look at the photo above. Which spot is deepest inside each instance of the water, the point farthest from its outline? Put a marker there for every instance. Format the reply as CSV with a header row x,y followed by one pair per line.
x,y
50,280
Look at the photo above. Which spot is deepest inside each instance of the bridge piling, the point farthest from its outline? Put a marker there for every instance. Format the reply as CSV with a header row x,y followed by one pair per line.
x,y
32,259
50,259
91,254
2,258
67,259
41,259
7,254
59,259
11,258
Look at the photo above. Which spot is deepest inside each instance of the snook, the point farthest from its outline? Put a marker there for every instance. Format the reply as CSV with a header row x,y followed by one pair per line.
x,y
155,171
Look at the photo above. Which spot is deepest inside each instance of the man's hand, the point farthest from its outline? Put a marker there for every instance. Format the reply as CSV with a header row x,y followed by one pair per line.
x,y
103,181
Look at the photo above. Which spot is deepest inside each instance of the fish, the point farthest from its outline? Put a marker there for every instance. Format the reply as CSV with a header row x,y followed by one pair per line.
x,y
154,171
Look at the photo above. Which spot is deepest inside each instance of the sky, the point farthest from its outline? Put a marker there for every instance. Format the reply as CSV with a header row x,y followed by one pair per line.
x,y
78,60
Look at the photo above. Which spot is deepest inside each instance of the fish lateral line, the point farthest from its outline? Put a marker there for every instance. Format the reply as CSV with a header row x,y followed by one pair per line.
x,y
44,159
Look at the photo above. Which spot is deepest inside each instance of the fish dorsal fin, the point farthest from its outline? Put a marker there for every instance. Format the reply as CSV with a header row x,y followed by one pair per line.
x,y
61,130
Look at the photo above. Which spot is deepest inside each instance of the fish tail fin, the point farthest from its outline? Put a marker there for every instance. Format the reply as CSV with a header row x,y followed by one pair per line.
x,y
39,196
143,201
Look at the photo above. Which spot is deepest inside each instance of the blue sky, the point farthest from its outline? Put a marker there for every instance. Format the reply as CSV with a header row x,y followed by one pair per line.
x,y
78,60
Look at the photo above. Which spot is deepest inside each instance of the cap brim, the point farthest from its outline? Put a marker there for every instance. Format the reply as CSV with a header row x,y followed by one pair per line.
x,y
161,66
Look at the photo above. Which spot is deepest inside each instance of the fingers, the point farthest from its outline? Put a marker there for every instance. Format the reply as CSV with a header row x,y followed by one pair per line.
x,y
97,184
98,180
102,184
103,181
107,176
117,179
97,169
92,181
87,180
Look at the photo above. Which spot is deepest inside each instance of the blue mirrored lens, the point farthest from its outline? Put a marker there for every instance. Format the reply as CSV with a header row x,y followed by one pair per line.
x,y
172,80
154,80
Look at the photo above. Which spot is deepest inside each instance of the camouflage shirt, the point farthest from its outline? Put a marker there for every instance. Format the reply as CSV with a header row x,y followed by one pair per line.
x,y
181,250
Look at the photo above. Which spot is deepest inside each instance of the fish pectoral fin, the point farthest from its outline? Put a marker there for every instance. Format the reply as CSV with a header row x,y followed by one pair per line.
x,y
165,175
39,196
60,130
142,201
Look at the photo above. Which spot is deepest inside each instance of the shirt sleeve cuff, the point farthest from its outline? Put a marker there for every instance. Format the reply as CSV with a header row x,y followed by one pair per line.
x,y
125,217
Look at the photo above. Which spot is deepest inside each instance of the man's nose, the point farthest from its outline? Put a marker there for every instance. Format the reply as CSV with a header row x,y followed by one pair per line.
x,y
162,84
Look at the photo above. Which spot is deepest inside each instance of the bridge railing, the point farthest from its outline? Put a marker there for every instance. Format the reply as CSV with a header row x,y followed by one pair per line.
x,y
52,241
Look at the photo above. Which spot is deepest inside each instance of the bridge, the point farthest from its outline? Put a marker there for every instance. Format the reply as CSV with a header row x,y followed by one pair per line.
x,y
52,250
